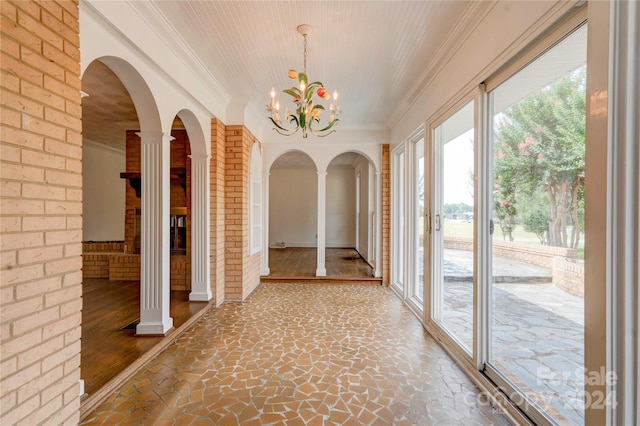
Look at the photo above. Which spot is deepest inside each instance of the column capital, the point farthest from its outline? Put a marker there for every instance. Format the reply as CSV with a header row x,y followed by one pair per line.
x,y
321,173
154,137
199,158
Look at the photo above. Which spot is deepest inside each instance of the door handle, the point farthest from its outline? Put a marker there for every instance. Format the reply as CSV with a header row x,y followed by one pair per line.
x,y
437,222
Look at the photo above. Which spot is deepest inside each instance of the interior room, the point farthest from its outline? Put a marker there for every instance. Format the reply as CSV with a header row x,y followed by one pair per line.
x,y
308,212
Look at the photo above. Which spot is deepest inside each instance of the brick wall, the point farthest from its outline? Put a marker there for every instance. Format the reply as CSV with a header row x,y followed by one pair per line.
x,y
41,205
568,274
242,271
217,210
95,258
386,214
536,254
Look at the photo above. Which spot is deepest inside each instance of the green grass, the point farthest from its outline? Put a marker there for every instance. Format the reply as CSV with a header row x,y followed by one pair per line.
x,y
458,228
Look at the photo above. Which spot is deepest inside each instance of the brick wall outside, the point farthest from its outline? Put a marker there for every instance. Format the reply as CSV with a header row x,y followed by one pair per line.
x,y
568,274
386,214
536,254
242,271
41,205
217,210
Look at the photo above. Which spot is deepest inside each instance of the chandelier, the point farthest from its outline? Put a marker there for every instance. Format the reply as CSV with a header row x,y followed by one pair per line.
x,y
306,115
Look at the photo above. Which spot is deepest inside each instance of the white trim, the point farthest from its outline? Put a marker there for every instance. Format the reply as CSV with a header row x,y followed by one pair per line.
x,y
256,223
623,196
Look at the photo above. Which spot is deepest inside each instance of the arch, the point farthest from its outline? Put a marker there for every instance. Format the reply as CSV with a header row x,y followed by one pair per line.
x,y
355,151
140,93
193,126
290,151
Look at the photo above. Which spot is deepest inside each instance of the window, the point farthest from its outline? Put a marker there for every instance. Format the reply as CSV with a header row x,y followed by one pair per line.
x,y
453,236
398,219
536,293
255,200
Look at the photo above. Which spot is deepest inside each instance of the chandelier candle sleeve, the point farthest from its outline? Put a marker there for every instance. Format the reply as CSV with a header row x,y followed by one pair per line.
x,y
306,115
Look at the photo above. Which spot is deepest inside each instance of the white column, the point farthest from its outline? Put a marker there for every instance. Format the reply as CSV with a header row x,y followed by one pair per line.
x,y
154,235
378,225
264,268
321,270
200,229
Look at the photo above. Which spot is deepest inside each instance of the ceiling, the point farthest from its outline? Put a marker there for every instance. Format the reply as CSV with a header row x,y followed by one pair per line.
x,y
379,55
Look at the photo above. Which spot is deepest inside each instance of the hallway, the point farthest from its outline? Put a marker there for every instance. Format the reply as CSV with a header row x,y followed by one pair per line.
x,y
296,353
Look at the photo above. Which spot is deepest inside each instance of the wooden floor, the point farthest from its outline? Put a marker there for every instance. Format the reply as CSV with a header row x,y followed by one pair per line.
x,y
108,306
299,264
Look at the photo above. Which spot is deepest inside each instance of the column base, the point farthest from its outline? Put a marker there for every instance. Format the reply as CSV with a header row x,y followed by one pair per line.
x,y
150,328
321,272
265,272
200,297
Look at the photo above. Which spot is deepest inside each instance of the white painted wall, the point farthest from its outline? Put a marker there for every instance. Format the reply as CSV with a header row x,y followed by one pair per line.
x,y
293,207
341,207
103,193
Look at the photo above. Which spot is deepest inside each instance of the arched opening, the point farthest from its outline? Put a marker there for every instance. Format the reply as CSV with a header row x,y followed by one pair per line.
x,y
293,218
349,218
114,115
320,222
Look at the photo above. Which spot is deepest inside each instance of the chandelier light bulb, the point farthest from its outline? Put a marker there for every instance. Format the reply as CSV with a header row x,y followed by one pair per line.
x,y
273,92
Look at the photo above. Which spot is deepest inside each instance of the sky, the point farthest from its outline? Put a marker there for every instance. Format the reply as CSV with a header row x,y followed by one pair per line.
x,y
457,164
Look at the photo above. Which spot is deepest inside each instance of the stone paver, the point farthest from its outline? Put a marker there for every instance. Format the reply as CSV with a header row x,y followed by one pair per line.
x,y
538,331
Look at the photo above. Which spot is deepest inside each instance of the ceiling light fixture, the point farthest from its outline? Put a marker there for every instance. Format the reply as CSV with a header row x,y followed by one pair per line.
x,y
307,112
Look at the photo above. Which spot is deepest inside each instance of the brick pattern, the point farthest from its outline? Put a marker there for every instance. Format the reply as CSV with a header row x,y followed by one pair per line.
x,y
217,210
125,267
180,272
386,214
536,254
242,271
568,274
95,258
41,205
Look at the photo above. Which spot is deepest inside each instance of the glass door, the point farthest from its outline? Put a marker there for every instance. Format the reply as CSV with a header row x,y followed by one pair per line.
x,y
536,294
417,235
398,220
453,225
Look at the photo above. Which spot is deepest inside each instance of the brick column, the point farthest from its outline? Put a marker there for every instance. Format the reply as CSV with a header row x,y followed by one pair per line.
x,y
321,268
154,235
217,210
386,214
378,225
200,238
242,270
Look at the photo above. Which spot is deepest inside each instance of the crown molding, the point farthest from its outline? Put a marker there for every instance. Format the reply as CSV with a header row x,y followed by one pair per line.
x,y
473,14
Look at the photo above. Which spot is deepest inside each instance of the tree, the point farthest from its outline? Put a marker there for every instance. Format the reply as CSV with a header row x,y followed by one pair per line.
x,y
540,147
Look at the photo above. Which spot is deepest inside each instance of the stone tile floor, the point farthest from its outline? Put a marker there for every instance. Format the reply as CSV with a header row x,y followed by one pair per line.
x,y
537,330
296,354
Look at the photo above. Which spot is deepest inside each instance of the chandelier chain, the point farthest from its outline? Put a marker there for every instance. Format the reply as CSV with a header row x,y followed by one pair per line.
x,y
305,53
